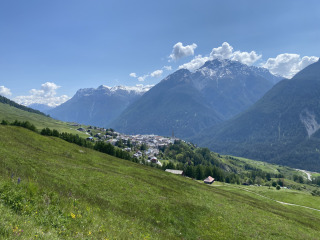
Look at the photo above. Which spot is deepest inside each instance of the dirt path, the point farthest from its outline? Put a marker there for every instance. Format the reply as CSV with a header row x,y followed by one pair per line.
x,y
308,174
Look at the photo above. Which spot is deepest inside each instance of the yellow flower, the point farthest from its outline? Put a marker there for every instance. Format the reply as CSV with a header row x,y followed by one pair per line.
x,y
73,215
89,233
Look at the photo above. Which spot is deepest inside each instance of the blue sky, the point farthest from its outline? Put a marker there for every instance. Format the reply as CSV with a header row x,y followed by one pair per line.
x,y
50,49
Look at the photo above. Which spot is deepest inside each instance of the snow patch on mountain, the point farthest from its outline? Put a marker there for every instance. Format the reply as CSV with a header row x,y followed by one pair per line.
x,y
136,90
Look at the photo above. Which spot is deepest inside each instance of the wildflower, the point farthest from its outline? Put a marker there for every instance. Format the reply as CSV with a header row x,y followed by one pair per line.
x,y
89,233
73,215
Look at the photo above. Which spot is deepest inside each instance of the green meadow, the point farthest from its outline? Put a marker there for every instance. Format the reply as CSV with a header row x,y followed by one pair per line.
x,y
11,114
51,189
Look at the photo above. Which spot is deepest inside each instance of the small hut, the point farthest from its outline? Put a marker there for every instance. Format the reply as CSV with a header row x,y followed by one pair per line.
x,y
209,180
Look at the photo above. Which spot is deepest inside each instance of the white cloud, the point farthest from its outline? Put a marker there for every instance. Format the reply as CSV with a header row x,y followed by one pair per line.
x,y
222,52
134,75
46,95
180,51
195,63
245,57
225,51
5,91
156,73
288,64
168,68
142,78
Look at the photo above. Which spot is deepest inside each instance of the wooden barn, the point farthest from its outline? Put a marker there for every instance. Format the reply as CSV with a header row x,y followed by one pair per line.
x,y
209,180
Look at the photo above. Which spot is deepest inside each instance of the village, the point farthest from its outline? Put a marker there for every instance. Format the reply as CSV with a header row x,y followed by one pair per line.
x,y
145,148
141,146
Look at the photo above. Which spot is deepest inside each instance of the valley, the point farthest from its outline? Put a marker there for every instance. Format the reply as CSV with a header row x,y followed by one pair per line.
x,y
67,191
159,120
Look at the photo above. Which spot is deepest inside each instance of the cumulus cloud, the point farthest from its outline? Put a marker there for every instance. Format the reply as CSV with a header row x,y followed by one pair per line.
x,y
5,91
180,51
168,68
225,51
46,95
245,57
142,78
134,75
222,52
156,73
195,63
288,64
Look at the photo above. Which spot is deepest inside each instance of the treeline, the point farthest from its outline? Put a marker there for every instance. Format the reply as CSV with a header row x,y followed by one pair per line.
x,y
24,124
74,138
199,163
16,105
189,154
98,146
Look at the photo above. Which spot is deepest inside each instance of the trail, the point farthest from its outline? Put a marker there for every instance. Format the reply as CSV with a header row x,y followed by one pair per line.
x,y
271,199
308,174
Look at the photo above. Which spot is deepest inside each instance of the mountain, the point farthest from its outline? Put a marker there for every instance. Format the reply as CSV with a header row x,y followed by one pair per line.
x,y
282,127
172,105
186,102
97,106
40,107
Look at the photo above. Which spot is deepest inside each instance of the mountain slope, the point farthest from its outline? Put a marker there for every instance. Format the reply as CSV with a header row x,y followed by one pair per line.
x,y
282,127
230,86
69,192
172,105
97,106
40,107
11,113
7,101
186,102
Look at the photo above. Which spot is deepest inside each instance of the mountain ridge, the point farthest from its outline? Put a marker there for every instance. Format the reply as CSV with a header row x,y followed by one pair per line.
x,y
97,106
215,92
282,127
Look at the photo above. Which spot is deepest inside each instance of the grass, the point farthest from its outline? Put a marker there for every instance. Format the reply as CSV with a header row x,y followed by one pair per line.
x,y
11,114
69,192
288,172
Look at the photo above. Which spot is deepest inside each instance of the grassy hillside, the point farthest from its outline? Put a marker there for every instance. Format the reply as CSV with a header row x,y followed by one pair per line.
x,y
69,192
11,113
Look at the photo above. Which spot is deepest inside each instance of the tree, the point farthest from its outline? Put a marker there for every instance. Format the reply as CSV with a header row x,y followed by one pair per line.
x,y
143,147
207,171
189,172
199,172
278,187
4,122
268,184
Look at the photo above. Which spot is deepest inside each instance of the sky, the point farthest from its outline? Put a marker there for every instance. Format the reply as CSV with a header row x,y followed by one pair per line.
x,y
50,49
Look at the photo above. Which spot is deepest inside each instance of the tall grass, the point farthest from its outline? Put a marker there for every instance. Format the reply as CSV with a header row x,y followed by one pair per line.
x,y
70,192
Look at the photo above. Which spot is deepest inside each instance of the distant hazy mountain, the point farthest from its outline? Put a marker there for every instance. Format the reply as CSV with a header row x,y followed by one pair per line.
x,y
40,107
282,127
97,106
186,102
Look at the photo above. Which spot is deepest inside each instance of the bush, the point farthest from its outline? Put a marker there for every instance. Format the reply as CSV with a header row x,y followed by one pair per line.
x,y
278,187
